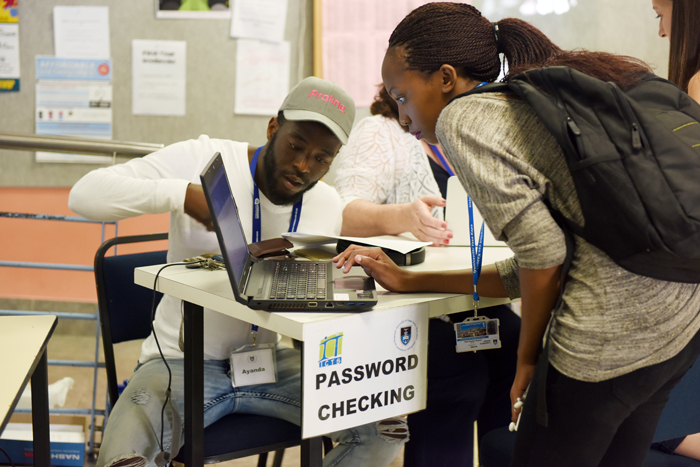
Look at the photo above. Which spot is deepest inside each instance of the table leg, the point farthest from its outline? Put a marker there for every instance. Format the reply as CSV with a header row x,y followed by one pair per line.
x,y
311,450
194,385
40,413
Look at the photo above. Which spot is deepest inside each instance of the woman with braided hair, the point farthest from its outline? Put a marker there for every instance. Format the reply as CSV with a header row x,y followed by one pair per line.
x,y
619,342
390,182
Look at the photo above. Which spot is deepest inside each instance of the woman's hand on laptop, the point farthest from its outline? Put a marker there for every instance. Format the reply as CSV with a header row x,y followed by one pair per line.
x,y
377,265
196,206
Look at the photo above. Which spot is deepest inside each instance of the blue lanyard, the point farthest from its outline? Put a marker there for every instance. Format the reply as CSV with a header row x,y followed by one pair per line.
x,y
437,152
257,224
477,252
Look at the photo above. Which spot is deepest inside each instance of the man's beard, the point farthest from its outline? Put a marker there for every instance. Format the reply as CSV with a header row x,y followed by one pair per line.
x,y
273,194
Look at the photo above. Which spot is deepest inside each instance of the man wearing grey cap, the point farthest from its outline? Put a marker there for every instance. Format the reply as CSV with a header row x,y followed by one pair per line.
x,y
282,181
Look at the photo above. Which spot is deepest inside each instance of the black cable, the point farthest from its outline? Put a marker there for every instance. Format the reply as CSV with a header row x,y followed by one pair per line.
x,y
8,457
155,337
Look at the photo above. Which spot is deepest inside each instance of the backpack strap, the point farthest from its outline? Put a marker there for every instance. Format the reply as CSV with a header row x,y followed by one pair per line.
x,y
490,87
543,362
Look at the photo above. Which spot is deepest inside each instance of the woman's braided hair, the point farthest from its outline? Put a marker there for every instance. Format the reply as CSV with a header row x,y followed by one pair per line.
x,y
457,34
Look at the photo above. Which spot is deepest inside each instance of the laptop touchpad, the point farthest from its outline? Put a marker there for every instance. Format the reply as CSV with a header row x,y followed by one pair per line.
x,y
354,283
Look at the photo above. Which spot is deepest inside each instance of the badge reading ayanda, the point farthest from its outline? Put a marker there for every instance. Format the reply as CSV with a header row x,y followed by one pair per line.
x,y
477,333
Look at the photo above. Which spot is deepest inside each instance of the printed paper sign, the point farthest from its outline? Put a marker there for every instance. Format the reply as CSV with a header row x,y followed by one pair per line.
x,y
9,57
9,46
73,98
363,368
159,69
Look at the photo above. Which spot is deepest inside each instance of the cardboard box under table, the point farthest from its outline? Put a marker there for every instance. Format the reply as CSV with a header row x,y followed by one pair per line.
x,y
67,434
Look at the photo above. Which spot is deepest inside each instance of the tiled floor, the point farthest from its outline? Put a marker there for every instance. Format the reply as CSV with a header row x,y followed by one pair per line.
x,y
80,345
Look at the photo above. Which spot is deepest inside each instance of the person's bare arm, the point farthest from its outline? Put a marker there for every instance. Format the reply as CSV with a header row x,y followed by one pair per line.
x,y
689,447
362,218
379,266
539,290
694,87
196,206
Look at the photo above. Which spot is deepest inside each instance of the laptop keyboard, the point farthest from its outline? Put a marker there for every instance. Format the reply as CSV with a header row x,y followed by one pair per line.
x,y
299,280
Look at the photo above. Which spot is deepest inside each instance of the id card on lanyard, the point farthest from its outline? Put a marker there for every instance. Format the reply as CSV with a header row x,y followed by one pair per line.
x,y
257,222
256,363
479,332
253,363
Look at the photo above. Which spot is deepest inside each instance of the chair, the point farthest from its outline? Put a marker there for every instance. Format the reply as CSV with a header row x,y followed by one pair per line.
x,y
125,314
681,417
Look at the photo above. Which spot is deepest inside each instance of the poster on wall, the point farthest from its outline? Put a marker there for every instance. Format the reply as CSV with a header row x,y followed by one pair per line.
x,y
9,46
262,76
259,19
159,77
81,31
192,9
73,98
347,383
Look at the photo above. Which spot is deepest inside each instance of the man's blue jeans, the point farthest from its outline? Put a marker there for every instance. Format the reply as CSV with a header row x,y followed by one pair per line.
x,y
134,428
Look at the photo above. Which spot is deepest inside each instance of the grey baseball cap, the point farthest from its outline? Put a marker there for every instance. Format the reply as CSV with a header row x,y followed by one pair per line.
x,y
321,101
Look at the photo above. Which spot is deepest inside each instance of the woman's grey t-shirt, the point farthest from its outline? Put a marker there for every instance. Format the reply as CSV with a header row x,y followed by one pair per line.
x,y
612,321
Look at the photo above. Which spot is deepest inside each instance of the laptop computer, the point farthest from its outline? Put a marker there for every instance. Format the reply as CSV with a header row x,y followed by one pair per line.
x,y
457,217
278,285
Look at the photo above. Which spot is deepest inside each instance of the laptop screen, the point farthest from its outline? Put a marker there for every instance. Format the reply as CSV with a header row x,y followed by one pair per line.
x,y
233,242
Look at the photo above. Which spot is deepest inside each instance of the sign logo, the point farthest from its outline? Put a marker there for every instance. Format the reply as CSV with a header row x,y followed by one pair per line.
x,y
330,350
252,358
406,334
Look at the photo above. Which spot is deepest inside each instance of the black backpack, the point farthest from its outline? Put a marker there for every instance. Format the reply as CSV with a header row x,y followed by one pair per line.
x,y
634,157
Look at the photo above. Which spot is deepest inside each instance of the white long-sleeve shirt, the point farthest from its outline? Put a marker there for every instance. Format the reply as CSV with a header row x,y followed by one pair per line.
x,y
157,184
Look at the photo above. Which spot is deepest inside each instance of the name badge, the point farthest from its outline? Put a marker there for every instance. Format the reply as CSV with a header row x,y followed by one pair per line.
x,y
478,333
253,364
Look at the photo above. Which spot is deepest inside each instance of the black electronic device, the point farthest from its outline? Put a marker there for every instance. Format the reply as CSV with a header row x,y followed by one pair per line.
x,y
416,256
285,285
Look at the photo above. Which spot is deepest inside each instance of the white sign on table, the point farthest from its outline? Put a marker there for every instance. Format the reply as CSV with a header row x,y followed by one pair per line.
x,y
351,379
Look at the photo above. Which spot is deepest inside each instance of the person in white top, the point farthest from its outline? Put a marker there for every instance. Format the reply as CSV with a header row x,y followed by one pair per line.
x,y
386,183
313,122
389,182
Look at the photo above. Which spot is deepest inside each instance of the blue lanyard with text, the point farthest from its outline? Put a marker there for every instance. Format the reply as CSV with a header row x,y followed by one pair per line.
x,y
254,333
257,224
437,152
477,252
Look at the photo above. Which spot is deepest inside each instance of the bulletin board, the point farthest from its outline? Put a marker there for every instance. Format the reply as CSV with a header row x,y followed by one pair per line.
x,y
209,90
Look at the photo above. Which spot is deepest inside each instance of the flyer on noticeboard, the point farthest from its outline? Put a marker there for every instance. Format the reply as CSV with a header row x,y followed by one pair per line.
x,y
9,46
